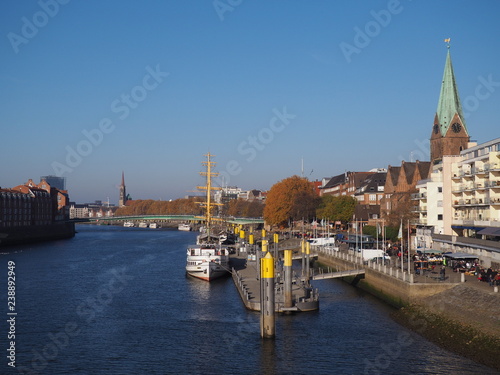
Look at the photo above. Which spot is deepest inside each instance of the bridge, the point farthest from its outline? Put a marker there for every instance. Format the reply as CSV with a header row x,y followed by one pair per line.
x,y
335,275
179,218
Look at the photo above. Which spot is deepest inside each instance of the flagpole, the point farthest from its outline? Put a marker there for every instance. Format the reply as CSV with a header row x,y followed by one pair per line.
x,y
409,249
402,245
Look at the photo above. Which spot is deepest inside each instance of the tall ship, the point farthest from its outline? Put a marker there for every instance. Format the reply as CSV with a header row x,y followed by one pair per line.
x,y
208,259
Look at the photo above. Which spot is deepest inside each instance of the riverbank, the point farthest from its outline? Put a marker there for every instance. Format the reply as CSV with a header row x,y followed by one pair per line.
x,y
36,233
460,317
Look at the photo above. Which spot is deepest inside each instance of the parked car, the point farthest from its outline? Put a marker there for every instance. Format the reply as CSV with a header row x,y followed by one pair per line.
x,y
381,260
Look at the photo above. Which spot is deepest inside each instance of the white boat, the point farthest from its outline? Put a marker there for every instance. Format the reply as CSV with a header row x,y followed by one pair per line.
x,y
153,225
128,224
207,261
143,224
184,227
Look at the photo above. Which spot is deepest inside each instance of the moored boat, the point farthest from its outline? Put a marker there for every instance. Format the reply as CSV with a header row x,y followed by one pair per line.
x,y
128,224
153,225
184,227
207,261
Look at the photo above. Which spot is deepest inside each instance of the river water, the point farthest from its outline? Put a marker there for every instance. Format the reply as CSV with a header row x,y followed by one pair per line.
x,y
116,300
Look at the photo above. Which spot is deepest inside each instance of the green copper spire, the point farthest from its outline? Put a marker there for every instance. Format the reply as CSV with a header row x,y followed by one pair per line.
x,y
449,100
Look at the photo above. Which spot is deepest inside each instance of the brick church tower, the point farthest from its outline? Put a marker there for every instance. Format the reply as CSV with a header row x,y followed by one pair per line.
x,y
123,193
449,132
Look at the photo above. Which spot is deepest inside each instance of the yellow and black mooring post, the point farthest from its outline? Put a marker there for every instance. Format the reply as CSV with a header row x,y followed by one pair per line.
x,y
267,321
288,278
308,259
303,251
275,240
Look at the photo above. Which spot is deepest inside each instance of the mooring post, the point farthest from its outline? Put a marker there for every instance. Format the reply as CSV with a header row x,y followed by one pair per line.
x,y
267,321
303,251
288,278
308,259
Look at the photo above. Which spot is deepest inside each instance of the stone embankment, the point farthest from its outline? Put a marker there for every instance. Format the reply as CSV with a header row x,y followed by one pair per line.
x,y
459,313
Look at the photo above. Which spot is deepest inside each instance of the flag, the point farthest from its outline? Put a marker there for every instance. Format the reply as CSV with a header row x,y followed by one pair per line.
x,y
400,233
447,40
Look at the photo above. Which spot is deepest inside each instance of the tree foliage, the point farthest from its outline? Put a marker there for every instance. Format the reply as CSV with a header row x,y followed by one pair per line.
x,y
402,209
391,233
183,206
243,208
336,208
293,198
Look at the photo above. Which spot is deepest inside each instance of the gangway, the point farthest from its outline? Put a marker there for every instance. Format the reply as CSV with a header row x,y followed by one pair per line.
x,y
334,275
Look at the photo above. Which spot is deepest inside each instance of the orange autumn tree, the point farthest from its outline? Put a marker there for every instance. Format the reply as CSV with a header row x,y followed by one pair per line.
x,y
293,198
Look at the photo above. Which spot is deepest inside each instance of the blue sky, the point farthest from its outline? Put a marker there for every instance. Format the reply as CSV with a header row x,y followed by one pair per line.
x,y
154,85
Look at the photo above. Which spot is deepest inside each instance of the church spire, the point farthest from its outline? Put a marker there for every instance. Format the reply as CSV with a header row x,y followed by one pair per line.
x,y
449,103
449,132
123,193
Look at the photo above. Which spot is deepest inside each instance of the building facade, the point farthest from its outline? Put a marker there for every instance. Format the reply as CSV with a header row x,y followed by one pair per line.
x,y
476,190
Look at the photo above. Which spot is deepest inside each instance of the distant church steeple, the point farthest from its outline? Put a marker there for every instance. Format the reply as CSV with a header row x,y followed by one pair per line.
x,y
123,192
449,132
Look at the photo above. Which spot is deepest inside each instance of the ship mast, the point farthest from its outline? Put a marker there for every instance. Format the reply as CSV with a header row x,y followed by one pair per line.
x,y
208,187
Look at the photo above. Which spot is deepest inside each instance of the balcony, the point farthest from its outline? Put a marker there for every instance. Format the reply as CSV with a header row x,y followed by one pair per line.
x,y
479,171
492,184
419,209
472,202
478,187
494,167
418,196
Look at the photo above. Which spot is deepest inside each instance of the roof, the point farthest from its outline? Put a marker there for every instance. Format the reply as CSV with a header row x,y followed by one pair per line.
x,y
460,256
490,231
372,182
394,173
336,180
449,100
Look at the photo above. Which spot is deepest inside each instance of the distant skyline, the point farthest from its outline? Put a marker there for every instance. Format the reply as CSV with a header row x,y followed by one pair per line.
x,y
91,89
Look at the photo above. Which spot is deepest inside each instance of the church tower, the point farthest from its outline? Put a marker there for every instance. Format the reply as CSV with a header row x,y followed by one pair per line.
x,y
123,192
449,132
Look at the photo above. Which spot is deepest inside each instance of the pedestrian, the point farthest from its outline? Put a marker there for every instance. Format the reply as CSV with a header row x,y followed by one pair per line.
x,y
442,273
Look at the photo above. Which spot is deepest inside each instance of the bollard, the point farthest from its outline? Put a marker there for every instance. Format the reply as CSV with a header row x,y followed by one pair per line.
x,y
397,273
308,259
267,320
288,278
462,277
411,278
303,250
495,289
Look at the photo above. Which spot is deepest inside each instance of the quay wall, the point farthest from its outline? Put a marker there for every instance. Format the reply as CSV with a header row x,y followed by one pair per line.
x,y
36,233
456,316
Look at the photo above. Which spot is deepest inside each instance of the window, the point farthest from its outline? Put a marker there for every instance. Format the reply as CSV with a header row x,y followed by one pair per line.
x,y
440,189
440,217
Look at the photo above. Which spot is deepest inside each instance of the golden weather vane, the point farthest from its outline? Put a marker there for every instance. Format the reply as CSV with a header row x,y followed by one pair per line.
x,y
447,41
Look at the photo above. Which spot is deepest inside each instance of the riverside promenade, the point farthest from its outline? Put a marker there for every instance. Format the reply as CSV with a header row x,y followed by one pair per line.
x,y
459,297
